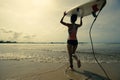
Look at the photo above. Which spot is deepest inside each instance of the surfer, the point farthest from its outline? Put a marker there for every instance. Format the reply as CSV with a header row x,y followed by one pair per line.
x,y
72,41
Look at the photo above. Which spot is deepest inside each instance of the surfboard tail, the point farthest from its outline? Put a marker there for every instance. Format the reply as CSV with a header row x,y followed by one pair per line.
x,y
103,4
95,9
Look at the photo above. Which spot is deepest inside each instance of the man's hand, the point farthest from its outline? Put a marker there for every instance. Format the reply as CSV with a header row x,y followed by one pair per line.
x,y
65,13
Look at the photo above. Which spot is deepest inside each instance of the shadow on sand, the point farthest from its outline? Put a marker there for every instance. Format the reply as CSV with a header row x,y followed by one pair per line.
x,y
91,75
87,75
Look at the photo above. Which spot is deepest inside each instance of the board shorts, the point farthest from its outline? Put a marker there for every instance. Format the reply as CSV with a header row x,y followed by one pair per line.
x,y
72,42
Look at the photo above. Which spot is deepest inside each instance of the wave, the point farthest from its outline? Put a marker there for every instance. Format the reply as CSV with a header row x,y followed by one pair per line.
x,y
58,52
13,56
85,57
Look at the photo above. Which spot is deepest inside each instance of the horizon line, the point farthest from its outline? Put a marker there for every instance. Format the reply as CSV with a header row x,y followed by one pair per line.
x,y
57,42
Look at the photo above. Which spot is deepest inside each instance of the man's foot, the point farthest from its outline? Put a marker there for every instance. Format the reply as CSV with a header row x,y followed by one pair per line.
x,y
78,63
71,69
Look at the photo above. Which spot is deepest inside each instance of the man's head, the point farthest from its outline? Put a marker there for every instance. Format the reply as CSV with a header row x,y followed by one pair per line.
x,y
73,18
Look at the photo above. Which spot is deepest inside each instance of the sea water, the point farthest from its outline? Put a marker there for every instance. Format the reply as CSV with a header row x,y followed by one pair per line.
x,y
57,52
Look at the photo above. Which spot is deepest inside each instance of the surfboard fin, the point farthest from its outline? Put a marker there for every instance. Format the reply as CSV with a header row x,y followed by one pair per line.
x,y
94,14
78,9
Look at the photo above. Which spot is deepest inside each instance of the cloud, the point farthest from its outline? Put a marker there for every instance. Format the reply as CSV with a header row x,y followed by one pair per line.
x,y
16,35
29,38
9,35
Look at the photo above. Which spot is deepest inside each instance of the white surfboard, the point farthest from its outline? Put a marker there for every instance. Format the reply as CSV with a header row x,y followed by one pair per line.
x,y
87,8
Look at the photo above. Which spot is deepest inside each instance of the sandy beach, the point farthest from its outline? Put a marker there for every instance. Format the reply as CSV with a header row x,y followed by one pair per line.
x,y
50,62
24,70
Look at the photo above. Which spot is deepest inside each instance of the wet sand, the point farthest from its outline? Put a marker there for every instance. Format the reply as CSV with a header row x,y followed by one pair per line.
x,y
25,70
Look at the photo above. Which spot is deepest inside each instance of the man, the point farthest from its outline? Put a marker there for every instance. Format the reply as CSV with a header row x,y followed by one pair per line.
x,y
72,41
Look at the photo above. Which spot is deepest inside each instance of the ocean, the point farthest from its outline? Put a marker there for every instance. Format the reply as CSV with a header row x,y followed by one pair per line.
x,y
57,52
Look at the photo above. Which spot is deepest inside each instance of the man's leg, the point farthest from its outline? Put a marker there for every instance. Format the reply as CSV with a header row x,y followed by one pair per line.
x,y
69,47
75,56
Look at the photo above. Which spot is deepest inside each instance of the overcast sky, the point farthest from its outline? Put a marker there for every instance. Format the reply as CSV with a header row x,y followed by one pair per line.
x,y
38,21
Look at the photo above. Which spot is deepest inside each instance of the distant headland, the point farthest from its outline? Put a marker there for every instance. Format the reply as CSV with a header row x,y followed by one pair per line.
x,y
8,41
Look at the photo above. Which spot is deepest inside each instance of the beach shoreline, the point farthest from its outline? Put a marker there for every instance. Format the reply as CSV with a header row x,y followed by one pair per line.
x,y
25,70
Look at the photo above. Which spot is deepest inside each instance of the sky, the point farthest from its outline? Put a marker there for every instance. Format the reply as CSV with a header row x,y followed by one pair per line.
x,y
39,21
